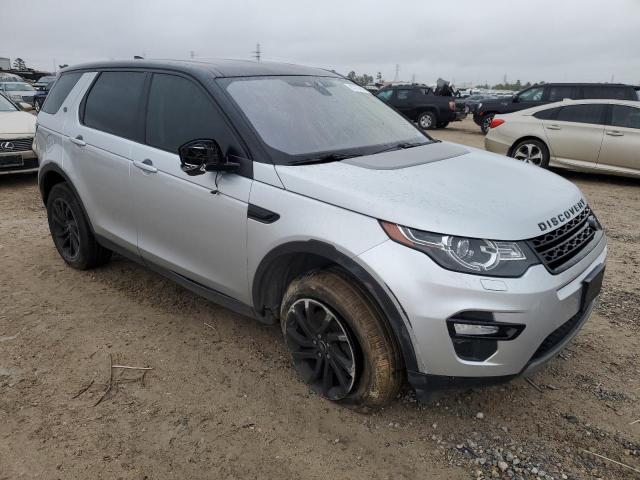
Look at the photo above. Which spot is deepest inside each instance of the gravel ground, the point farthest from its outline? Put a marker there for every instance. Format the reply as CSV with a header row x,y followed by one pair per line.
x,y
223,402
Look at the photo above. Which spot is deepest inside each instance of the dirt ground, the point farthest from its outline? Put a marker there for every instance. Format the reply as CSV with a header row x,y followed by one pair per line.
x,y
222,400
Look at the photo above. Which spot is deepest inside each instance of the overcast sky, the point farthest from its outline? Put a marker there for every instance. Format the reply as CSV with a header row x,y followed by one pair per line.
x,y
463,40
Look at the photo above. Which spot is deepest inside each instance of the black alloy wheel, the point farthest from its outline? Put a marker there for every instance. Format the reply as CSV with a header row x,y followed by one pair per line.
x,y
64,229
323,351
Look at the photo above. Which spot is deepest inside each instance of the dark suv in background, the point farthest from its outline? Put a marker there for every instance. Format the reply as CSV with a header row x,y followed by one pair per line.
x,y
549,93
421,105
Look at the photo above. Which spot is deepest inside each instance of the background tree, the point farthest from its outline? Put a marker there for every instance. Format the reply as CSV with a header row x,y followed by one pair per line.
x,y
379,77
64,65
18,64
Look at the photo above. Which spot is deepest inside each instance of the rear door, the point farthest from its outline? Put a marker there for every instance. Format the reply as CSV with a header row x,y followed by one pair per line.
x,y
557,93
99,152
621,143
195,226
575,135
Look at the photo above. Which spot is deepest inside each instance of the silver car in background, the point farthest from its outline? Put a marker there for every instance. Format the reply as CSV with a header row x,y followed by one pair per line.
x,y
292,195
19,91
586,135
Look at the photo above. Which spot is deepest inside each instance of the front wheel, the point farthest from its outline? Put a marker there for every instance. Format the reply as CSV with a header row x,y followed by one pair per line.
x,y
427,120
486,123
37,105
339,343
531,151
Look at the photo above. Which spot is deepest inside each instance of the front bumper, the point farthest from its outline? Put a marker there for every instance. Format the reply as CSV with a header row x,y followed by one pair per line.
x,y
429,295
18,162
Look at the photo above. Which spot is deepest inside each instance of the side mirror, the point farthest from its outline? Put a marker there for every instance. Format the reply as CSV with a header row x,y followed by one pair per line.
x,y
200,156
25,107
515,99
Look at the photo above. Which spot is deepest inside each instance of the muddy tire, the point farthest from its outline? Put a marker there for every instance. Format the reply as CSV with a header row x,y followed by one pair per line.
x,y
339,341
70,230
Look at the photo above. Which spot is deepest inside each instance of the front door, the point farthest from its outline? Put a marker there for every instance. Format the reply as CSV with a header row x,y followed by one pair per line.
x,y
188,224
621,143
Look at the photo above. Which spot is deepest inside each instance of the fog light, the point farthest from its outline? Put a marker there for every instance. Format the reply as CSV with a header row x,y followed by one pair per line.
x,y
469,329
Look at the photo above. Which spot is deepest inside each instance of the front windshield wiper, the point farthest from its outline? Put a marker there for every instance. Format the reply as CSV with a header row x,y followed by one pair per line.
x,y
402,146
331,157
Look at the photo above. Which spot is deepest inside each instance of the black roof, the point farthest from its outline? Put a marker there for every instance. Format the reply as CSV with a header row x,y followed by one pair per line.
x,y
219,68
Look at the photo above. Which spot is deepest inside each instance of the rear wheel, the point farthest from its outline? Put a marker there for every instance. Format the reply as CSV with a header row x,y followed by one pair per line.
x,y
427,120
531,151
339,343
70,230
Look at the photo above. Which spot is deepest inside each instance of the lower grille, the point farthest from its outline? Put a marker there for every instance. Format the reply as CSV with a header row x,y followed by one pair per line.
x,y
557,248
16,144
558,335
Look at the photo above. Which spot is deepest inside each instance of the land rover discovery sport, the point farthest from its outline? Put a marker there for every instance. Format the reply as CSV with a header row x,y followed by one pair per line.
x,y
292,195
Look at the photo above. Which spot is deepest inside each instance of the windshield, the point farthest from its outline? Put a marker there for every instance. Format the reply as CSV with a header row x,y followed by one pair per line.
x,y
303,115
17,87
6,105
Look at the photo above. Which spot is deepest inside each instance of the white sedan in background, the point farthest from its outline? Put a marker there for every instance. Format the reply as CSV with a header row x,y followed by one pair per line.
x,y
584,135
17,129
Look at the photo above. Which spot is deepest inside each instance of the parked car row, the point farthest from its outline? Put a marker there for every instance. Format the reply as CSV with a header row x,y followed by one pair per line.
x,y
549,93
585,135
420,104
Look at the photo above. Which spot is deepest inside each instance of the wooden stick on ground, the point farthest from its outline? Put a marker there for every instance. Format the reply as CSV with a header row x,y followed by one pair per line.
x,y
110,384
84,389
127,367
635,421
532,383
612,461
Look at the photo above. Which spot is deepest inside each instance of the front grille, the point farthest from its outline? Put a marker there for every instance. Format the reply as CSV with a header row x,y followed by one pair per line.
x,y
558,335
19,144
558,247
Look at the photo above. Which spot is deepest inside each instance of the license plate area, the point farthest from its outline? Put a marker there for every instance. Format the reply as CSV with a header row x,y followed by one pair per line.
x,y
11,161
591,286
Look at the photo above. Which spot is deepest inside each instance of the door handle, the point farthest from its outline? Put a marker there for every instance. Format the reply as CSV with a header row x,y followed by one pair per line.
x,y
78,141
146,165
614,133
553,127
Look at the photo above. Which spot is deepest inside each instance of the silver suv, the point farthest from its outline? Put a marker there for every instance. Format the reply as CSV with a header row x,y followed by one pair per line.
x,y
294,196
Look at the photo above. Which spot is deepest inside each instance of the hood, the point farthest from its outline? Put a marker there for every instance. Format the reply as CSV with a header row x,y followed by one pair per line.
x,y
16,123
442,188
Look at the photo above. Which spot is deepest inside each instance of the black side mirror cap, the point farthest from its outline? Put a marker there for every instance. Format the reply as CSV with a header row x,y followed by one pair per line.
x,y
204,155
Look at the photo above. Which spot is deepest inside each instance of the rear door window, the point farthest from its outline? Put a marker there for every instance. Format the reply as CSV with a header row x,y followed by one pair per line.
x,y
558,93
616,92
115,104
626,117
403,94
58,94
587,113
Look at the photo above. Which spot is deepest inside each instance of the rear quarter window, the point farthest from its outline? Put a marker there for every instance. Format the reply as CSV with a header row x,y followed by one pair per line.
x,y
60,91
547,114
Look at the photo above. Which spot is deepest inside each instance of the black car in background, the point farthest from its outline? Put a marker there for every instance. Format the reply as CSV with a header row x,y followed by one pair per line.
x,y
43,85
421,105
549,93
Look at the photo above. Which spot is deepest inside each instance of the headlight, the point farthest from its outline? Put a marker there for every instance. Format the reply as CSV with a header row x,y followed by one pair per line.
x,y
479,106
15,97
467,255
